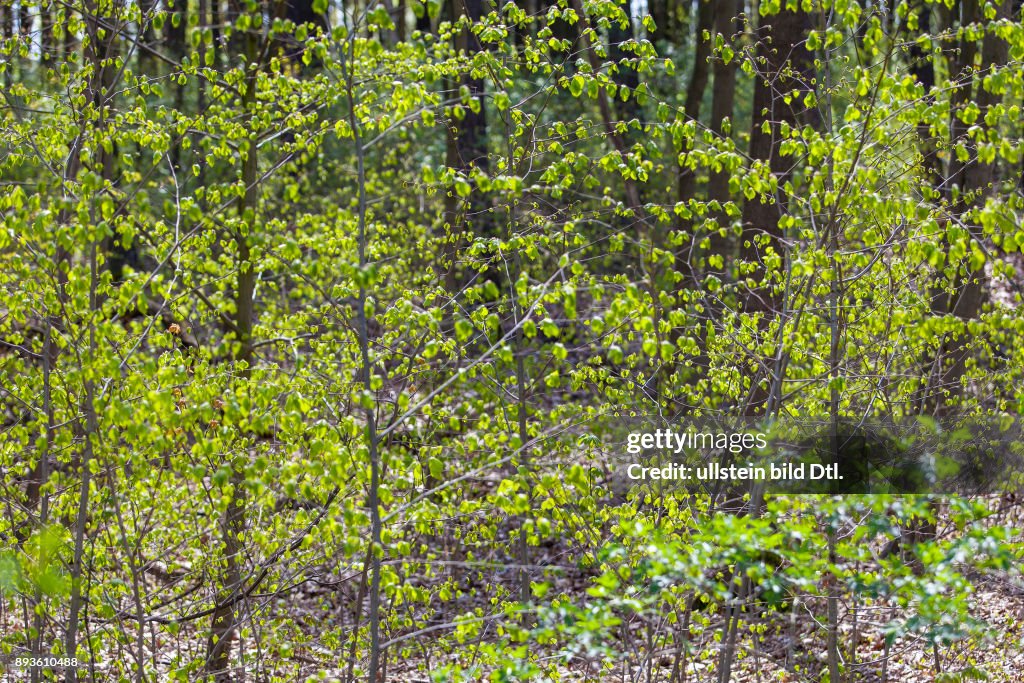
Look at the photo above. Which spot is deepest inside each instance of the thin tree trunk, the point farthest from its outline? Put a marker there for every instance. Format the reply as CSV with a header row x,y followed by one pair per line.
x,y
424,23
85,481
301,13
922,68
100,91
42,477
523,414
204,50
24,18
832,608
224,621
730,631
687,257
217,19
375,674
836,357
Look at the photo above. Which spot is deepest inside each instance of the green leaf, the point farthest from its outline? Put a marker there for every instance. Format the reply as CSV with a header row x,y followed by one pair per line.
x,y
436,467
576,84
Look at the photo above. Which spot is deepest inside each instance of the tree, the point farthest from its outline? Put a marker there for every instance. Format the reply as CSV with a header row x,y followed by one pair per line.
x,y
783,79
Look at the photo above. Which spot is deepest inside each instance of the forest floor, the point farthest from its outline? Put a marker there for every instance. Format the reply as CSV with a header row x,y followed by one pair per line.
x,y
789,646
792,650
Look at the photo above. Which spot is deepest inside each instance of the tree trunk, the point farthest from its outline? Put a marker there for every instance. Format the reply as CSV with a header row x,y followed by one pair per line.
x,y
922,68
24,18
98,53
695,93
224,623
467,149
47,23
401,25
216,20
783,65
976,180
301,13
6,19
723,96
625,76
471,132
658,9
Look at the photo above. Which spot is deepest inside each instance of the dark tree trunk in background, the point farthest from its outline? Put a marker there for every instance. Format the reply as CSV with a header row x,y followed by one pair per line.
x,y
389,36
6,20
706,18
25,19
626,76
976,180
301,12
695,93
723,101
47,21
147,8
70,40
174,28
100,53
723,95
225,620
424,24
118,256
467,145
615,109
174,39
632,189
783,65
658,9
235,42
687,180
216,19
717,17
961,67
561,28
922,68
470,134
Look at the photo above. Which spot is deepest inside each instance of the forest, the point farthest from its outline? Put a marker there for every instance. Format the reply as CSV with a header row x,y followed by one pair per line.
x,y
378,340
